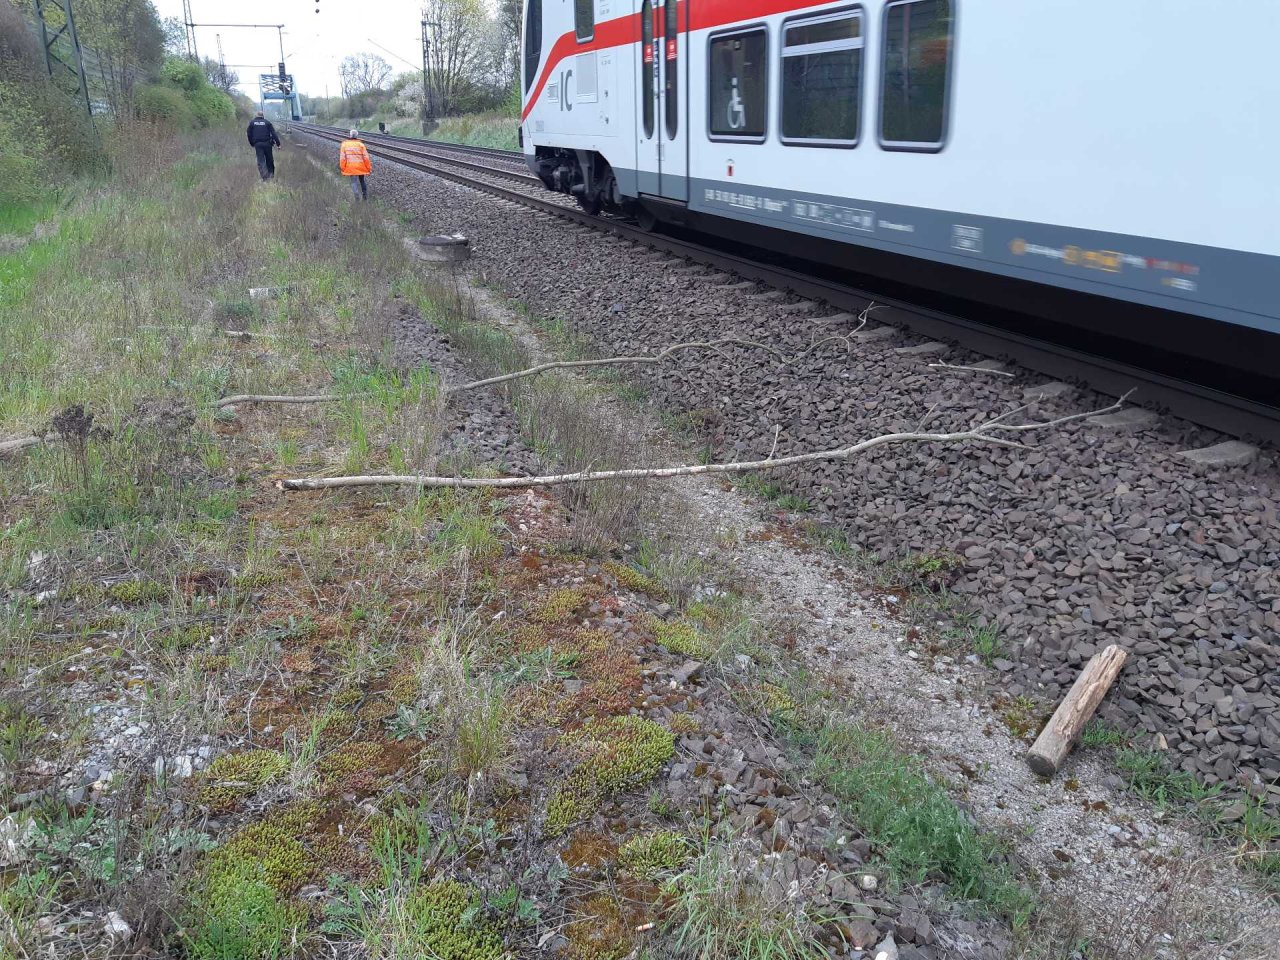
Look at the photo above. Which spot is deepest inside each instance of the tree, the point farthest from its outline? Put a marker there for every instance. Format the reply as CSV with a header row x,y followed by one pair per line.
x,y
127,42
175,36
460,51
219,76
362,73
509,34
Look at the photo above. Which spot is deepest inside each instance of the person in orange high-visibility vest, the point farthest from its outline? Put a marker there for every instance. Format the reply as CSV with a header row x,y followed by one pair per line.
x,y
354,162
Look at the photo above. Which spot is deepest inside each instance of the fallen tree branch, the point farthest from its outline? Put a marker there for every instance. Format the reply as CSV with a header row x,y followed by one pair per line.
x,y
267,398
655,358
21,443
982,433
250,335
956,366
546,367
640,473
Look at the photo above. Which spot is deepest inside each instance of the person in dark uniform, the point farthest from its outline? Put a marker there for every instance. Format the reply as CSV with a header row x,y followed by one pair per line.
x,y
262,137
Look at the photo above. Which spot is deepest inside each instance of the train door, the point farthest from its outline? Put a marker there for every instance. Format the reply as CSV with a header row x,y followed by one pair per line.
x,y
673,150
648,144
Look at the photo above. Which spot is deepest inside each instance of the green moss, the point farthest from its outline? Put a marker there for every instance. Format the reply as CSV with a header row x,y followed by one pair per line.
x,y
348,697
680,636
617,754
443,924
685,723
237,916
336,724
257,580
561,605
637,581
345,764
777,701
137,591
273,844
239,908
652,854
234,776
602,933
405,687
184,638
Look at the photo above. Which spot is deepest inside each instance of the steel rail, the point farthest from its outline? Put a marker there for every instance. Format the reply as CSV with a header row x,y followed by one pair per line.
x,y
378,148
515,156
1235,416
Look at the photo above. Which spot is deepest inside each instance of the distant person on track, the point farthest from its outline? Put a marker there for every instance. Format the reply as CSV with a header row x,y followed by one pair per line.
x,y
262,137
354,162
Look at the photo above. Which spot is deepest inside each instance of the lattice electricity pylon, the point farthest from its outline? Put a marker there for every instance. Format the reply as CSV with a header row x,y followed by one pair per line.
x,y
57,21
280,86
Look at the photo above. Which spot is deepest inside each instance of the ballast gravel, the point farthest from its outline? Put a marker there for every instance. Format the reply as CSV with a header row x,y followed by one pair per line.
x,y
1098,534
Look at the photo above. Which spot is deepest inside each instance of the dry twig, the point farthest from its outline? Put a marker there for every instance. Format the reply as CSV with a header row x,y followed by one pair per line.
x,y
982,433
656,358
21,443
265,398
956,366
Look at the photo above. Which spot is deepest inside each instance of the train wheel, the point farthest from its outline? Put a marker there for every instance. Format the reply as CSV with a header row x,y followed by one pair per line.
x,y
645,218
589,205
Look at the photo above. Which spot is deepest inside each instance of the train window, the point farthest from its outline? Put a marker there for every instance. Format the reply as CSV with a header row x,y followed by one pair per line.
x,y
584,19
916,73
739,104
822,79
670,70
647,66
532,43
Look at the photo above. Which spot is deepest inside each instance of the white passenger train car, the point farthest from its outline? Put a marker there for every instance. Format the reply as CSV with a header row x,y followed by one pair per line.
x,y
1128,151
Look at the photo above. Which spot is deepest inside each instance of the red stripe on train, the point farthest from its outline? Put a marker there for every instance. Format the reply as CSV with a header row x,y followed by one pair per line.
x,y
625,30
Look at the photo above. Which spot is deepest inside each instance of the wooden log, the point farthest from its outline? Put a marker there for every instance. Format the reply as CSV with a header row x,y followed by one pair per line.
x,y
1075,711
13,446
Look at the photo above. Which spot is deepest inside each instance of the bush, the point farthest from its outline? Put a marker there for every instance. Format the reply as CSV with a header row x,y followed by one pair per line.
x,y
23,146
183,99
163,104
41,127
211,106
184,74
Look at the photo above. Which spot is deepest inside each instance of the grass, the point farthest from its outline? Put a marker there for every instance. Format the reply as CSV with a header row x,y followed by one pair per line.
x,y
1098,734
20,219
495,130
722,912
774,492
918,830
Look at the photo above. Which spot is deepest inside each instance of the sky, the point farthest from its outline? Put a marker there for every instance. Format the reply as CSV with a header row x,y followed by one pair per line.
x,y
314,43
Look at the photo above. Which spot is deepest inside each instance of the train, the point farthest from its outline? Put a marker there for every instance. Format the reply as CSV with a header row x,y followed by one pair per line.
x,y
1076,166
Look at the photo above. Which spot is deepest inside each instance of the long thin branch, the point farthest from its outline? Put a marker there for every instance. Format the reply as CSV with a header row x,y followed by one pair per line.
x,y
957,366
266,398
980,433
643,360
21,443
996,422
591,476
559,365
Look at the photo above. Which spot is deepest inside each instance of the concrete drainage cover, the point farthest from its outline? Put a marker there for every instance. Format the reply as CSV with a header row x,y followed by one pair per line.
x,y
444,248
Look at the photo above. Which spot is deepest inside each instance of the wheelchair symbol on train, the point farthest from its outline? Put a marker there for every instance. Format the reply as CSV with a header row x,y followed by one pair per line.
x,y
737,111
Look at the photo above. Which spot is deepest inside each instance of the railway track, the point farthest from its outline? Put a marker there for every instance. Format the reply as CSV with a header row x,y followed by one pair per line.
x,y
391,139
1235,416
